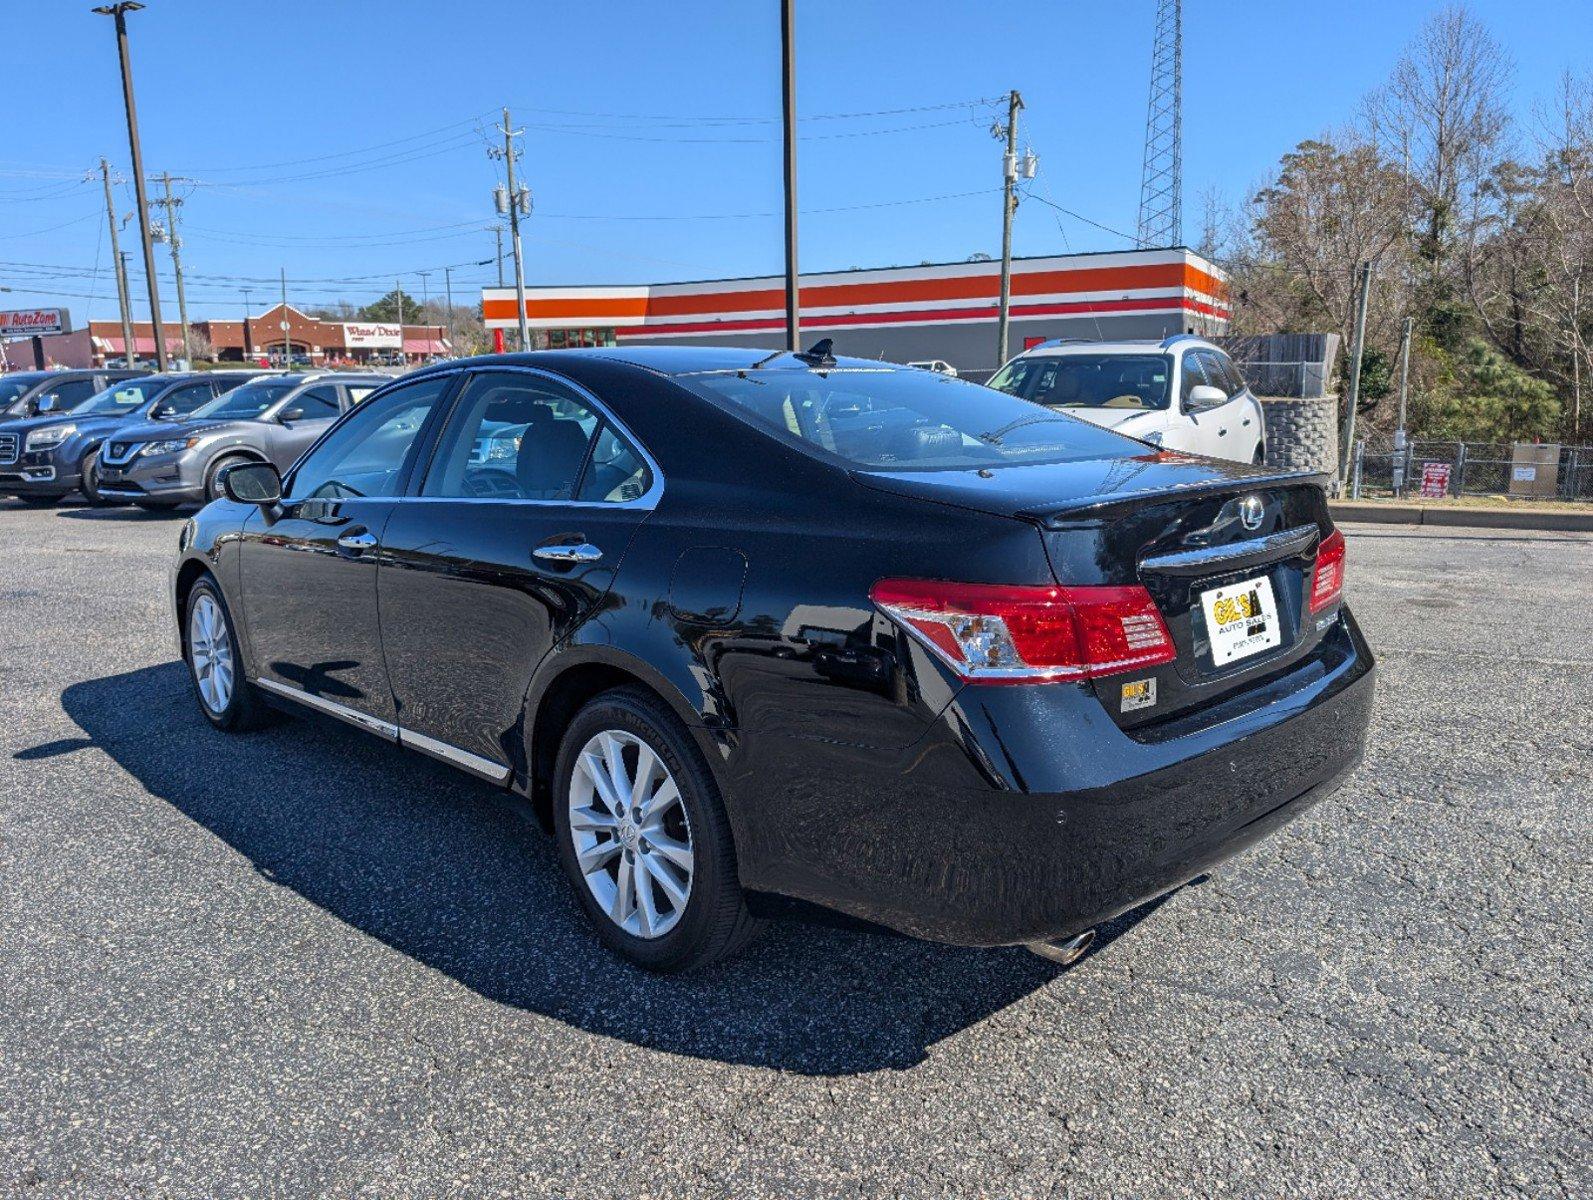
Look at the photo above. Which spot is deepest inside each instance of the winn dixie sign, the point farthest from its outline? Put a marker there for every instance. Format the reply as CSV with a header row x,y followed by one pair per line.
x,y
373,336
25,322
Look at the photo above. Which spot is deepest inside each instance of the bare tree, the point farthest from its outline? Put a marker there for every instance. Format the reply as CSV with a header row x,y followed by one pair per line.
x,y
1442,115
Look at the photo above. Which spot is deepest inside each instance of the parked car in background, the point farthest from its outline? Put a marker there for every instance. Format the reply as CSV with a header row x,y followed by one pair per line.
x,y
29,393
938,365
741,624
43,458
1183,393
272,419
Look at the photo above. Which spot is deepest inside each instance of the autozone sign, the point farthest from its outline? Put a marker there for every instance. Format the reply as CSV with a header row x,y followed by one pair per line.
x,y
25,322
373,336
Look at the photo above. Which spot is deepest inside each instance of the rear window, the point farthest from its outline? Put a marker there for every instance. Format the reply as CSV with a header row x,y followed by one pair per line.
x,y
905,420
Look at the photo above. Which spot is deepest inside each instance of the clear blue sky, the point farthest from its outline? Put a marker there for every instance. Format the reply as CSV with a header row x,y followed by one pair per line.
x,y
263,103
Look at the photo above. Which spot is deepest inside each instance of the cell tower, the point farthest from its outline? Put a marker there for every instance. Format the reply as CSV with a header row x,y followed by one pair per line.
x,y
1161,184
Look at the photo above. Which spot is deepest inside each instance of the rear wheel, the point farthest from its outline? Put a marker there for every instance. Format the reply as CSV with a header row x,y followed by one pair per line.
x,y
644,838
213,476
228,700
1260,458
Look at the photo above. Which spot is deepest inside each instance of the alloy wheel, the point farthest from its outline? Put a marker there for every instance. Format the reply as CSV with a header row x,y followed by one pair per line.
x,y
210,651
631,835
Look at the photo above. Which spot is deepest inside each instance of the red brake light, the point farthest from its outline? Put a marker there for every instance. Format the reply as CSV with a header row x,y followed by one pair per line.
x,y
996,633
1327,581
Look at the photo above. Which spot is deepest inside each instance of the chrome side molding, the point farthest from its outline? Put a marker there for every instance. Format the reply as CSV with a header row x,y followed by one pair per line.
x,y
474,763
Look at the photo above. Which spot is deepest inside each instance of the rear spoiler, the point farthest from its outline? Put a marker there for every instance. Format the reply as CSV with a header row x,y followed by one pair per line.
x,y
1095,508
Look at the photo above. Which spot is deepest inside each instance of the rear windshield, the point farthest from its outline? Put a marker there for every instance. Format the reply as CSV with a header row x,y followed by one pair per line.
x,y
1089,380
905,420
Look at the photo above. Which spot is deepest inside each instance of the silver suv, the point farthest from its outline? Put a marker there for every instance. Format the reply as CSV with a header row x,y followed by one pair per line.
x,y
274,420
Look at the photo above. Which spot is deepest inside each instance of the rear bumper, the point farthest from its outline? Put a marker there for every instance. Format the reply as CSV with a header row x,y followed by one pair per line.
x,y
1028,814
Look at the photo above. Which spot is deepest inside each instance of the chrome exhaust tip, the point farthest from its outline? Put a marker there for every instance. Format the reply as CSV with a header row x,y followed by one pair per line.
x,y
1065,950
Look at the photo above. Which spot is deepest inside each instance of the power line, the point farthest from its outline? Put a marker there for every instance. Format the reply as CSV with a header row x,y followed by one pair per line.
x,y
1128,237
294,162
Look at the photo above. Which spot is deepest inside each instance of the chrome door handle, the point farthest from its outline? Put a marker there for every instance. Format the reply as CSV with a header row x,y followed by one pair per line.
x,y
357,542
581,552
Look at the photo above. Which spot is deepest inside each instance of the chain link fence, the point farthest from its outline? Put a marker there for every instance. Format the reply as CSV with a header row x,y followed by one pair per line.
x,y
1518,469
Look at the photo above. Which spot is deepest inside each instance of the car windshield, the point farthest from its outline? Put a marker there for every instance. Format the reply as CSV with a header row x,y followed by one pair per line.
x,y
1134,381
10,389
905,420
246,401
120,397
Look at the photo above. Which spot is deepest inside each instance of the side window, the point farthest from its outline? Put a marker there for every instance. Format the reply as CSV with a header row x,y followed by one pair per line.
x,y
365,456
519,437
616,472
66,395
1218,374
358,391
179,402
1236,381
316,404
1193,375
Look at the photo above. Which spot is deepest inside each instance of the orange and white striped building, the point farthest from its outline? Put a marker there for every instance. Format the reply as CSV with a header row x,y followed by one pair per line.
x,y
901,314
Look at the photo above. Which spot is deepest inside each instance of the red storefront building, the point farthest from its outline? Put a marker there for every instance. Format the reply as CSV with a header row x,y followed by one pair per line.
x,y
323,343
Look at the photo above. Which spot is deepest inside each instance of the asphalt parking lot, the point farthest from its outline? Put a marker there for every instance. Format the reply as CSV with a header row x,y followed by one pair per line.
x,y
305,963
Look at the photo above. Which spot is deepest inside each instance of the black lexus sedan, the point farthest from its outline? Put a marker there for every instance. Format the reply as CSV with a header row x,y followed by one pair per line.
x,y
744,626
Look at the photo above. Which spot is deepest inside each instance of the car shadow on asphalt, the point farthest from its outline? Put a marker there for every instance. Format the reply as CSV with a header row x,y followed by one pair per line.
x,y
439,867
110,512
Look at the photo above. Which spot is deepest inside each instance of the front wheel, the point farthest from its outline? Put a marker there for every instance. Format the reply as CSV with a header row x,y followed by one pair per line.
x,y
89,479
228,700
644,838
213,476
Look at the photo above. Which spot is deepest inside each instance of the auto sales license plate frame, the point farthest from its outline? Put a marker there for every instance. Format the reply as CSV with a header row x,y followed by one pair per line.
x,y
1241,620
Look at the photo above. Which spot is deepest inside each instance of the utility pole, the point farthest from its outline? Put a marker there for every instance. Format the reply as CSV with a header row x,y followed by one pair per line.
x,y
121,267
514,201
793,300
1346,451
248,342
287,350
174,242
497,234
1009,205
1399,429
448,293
1576,359
120,11
398,298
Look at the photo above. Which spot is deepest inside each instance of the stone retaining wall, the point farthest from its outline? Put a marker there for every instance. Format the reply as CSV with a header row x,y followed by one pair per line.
x,y
1302,434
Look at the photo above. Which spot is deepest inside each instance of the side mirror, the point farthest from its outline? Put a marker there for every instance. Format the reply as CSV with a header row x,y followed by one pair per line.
x,y
161,411
290,414
1203,396
46,404
252,483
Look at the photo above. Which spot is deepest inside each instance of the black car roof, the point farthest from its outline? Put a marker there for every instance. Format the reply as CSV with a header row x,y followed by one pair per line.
x,y
663,360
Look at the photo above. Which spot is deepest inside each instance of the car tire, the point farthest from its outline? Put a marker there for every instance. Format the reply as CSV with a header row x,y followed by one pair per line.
x,y
210,644
1260,458
89,479
213,475
628,873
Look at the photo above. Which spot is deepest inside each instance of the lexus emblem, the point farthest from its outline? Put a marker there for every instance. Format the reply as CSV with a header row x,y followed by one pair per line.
x,y
1251,512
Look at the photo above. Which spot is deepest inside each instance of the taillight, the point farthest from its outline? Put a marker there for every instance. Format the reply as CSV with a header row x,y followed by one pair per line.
x,y
1327,581
995,633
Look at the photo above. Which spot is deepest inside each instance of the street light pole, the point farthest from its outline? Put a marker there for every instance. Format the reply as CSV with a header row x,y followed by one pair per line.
x,y
121,267
793,304
1009,205
120,11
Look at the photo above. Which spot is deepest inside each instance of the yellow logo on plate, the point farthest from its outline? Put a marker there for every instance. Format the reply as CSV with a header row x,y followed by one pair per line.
x,y
1236,608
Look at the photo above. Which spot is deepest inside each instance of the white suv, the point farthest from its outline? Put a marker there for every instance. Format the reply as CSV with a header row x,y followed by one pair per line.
x,y
1183,393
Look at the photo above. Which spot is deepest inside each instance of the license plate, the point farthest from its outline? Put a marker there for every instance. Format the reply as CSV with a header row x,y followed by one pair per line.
x,y
1241,620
